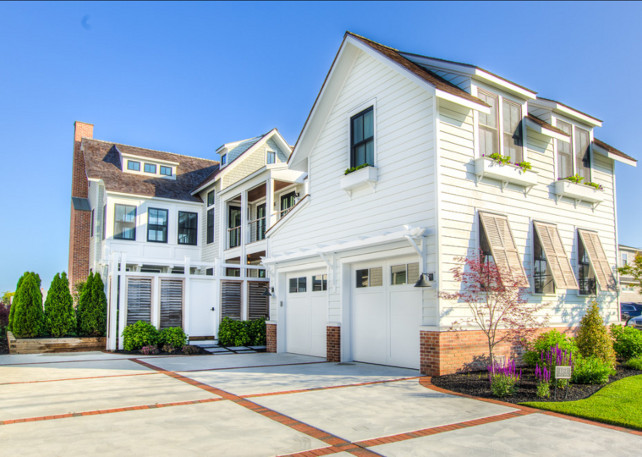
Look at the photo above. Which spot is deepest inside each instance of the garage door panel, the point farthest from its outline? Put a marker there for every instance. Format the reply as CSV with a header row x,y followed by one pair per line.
x,y
405,319
369,330
306,319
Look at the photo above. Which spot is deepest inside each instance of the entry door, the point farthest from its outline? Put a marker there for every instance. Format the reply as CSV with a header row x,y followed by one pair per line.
x,y
234,226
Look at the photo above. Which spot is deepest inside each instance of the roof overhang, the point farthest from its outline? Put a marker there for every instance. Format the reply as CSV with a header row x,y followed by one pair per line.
x,y
545,129
611,154
560,108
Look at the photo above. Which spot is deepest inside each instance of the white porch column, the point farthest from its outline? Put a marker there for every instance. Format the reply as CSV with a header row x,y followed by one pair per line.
x,y
186,295
122,303
270,216
112,333
243,257
155,317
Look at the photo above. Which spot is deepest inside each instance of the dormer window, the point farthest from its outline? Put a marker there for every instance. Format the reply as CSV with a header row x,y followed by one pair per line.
x,y
150,168
224,159
508,121
573,157
133,165
362,138
165,171
271,157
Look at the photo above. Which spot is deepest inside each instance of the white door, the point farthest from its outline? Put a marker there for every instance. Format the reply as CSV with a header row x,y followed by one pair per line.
x,y
386,317
306,313
202,314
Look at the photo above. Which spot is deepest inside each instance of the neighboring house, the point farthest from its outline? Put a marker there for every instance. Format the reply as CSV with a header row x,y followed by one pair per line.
x,y
629,288
345,263
147,221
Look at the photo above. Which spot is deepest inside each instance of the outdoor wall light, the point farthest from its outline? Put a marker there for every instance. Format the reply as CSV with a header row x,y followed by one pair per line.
x,y
268,293
424,280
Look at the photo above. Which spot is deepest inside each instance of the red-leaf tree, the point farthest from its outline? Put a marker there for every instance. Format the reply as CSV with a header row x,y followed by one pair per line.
x,y
497,302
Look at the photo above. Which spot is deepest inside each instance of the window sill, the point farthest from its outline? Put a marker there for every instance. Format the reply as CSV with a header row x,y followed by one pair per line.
x,y
365,177
578,192
488,168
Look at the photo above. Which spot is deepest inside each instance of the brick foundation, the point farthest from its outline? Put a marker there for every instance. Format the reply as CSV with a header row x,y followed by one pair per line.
x,y
270,337
333,344
452,351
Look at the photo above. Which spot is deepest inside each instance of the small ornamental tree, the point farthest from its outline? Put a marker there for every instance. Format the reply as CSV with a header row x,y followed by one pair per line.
x,y
59,310
91,312
496,301
593,339
28,316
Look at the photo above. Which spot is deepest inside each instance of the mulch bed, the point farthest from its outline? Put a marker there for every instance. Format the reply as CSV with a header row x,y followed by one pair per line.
x,y
476,384
200,352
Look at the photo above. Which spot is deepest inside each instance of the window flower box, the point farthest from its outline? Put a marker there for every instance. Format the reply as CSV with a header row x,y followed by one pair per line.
x,y
505,173
578,192
365,177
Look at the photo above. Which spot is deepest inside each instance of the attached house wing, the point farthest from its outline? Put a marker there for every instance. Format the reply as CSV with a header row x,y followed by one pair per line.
x,y
597,257
556,256
502,246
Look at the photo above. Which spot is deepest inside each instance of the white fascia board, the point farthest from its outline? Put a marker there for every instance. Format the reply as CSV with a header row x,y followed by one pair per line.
x,y
349,245
557,107
147,197
288,175
148,159
535,127
461,101
612,156
504,84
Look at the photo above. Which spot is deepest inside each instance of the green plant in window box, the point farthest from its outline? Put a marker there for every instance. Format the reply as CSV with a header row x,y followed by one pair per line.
x,y
500,159
594,184
577,179
353,169
525,166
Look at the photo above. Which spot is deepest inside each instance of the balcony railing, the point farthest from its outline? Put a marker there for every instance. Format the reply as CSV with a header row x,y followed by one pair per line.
x,y
233,237
285,211
257,230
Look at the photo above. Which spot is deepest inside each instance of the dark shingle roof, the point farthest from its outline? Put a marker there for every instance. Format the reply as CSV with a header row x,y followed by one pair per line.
x,y
546,125
612,150
102,161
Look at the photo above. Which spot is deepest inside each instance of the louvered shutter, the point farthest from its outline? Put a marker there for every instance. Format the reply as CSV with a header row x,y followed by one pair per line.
x,y
556,256
502,246
597,257
257,302
171,303
231,299
139,300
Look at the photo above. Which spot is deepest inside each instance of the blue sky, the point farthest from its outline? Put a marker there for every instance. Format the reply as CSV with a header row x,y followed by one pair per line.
x,y
188,77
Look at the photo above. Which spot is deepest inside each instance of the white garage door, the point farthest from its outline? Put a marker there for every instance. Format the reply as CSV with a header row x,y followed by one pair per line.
x,y
306,313
386,314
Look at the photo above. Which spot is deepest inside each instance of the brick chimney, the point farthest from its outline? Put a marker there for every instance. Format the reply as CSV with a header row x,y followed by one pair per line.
x,y
80,218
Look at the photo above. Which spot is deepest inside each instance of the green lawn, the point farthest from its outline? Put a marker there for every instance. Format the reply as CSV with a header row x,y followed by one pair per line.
x,y
619,403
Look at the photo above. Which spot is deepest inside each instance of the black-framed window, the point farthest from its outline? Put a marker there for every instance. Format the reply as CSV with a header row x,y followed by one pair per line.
x,y
287,202
486,254
542,276
133,165
210,198
93,218
362,138
234,226
369,277
124,222
166,171
150,168
298,284
234,272
586,275
210,226
157,225
319,283
187,228
223,159
582,153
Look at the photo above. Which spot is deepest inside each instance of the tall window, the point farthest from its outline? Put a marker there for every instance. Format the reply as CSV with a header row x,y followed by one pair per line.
x,y
234,226
210,198
510,143
104,227
542,278
271,157
564,151
586,274
223,159
124,222
187,228
210,226
287,202
362,138
92,223
582,156
157,225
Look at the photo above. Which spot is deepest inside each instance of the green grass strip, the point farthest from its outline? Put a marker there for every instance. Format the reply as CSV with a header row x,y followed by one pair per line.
x,y
619,403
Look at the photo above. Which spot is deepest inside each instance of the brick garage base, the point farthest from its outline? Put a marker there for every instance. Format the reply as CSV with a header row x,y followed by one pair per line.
x,y
333,344
270,337
452,351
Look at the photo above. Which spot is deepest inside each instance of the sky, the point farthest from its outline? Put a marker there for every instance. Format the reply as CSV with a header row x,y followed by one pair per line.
x,y
188,77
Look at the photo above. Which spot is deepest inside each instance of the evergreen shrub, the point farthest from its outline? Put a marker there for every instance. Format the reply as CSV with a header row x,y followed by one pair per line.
x,y
28,316
91,312
138,335
60,319
627,342
593,339
174,337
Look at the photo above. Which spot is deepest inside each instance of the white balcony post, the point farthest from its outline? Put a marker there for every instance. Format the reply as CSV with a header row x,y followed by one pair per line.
x,y
269,203
122,303
113,303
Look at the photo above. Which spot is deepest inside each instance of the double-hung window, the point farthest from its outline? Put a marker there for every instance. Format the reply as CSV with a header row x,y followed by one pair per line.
x,y
187,228
509,143
157,225
573,157
362,138
124,222
210,225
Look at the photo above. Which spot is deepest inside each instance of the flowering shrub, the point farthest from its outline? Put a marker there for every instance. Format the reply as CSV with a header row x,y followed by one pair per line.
x,y
503,378
543,376
554,357
546,341
149,350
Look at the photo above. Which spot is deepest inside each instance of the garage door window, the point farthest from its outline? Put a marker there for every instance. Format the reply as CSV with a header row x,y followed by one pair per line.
x,y
404,274
319,283
298,285
370,277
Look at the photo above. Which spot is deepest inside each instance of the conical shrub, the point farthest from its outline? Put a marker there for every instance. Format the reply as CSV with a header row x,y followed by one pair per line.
x,y
593,339
28,316
91,312
59,310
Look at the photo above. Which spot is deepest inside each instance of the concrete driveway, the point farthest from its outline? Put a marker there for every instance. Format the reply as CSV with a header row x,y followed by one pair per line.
x,y
263,405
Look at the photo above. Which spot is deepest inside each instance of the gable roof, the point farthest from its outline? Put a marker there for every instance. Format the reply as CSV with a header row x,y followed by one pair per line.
x,y
102,161
611,151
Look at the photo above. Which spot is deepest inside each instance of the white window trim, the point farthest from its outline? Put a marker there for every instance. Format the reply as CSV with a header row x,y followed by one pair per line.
x,y
267,155
354,111
574,126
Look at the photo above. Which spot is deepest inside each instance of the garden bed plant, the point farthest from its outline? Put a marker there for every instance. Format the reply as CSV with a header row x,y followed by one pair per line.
x,y
143,338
